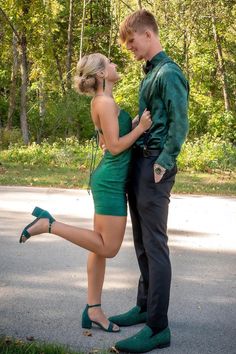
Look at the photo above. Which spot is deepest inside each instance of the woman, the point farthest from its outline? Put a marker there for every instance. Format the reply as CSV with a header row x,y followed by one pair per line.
x,y
96,75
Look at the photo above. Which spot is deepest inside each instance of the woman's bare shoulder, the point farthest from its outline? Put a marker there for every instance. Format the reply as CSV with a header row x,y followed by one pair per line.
x,y
101,103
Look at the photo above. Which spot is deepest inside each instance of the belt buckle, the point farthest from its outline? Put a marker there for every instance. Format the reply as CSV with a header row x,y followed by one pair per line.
x,y
145,152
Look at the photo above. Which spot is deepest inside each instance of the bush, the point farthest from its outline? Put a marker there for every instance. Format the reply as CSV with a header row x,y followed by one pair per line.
x,y
203,155
223,125
206,154
65,116
10,137
63,152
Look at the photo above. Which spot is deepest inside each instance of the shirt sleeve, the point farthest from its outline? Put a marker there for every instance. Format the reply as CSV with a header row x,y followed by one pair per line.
x,y
173,89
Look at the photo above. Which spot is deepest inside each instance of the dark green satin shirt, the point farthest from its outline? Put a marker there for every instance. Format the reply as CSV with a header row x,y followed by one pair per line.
x,y
164,92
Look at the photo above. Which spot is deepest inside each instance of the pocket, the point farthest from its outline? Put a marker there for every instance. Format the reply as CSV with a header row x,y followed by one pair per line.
x,y
169,175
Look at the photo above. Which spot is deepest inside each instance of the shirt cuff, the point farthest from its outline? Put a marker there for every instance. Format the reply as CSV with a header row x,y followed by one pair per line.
x,y
165,160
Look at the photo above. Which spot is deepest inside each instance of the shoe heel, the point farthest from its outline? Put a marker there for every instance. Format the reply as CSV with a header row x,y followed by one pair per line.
x,y
86,322
37,211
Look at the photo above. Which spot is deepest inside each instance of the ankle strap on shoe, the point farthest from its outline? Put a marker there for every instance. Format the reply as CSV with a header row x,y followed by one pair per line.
x,y
50,227
96,305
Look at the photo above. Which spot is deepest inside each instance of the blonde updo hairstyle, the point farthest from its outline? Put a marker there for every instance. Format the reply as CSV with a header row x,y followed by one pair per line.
x,y
85,80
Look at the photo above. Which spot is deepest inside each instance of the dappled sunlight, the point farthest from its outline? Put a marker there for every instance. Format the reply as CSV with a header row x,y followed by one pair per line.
x,y
57,201
208,243
223,300
58,282
43,283
119,279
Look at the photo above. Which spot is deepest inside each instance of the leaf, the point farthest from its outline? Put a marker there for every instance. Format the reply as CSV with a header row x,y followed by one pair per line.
x,y
94,351
8,340
87,333
30,338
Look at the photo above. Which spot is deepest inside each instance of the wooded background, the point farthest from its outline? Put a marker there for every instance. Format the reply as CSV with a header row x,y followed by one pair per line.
x,y
42,40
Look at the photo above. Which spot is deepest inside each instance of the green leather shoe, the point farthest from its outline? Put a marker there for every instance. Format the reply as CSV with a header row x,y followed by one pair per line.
x,y
143,341
130,318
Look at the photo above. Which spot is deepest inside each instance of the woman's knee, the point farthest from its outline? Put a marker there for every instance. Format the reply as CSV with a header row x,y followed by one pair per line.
x,y
111,252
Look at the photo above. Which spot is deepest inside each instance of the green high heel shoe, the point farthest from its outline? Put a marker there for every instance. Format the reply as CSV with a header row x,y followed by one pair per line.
x,y
40,214
37,211
87,322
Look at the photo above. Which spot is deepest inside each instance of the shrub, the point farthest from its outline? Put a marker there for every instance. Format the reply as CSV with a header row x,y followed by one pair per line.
x,y
61,153
207,154
204,154
10,137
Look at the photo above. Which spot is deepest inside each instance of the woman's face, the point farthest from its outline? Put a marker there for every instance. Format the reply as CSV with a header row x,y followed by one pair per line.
x,y
111,73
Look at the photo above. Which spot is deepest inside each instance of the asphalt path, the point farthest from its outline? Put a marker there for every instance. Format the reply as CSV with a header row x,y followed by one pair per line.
x,y
43,282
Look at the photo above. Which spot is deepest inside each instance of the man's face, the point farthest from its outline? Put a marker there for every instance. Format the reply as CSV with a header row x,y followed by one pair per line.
x,y
138,44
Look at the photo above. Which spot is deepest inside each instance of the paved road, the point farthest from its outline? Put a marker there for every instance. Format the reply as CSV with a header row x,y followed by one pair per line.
x,y
43,283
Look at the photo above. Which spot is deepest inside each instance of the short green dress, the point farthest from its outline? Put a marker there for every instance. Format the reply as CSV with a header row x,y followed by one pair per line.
x,y
109,179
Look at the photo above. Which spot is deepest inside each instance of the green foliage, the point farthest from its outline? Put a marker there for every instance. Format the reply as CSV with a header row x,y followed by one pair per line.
x,y
203,154
61,153
223,125
186,34
206,155
10,137
126,93
65,116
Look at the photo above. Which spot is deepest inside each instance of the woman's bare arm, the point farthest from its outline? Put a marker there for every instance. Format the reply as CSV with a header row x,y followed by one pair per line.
x,y
106,111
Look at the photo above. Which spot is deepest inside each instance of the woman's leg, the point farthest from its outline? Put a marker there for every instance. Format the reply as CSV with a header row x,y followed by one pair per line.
x,y
105,241
96,272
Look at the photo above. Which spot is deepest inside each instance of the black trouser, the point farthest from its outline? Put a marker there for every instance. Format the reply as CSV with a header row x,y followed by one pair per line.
x,y
149,202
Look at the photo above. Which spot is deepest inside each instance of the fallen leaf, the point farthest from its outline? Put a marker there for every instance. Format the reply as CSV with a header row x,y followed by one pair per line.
x,y
7,340
30,338
87,333
19,342
94,351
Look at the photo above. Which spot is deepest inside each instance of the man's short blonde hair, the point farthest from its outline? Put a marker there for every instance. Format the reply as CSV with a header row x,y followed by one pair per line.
x,y
138,21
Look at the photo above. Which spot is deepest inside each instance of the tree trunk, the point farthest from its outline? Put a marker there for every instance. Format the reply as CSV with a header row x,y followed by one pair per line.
x,y
186,52
42,110
12,95
69,46
59,68
111,28
139,2
24,85
220,63
82,31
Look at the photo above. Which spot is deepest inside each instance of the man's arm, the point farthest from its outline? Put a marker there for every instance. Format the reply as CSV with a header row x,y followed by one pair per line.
x,y
173,89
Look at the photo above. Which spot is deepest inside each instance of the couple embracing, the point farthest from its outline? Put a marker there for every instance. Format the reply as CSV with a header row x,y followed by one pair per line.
x,y
139,163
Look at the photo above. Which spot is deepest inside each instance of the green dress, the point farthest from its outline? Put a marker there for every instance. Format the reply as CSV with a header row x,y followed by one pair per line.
x,y
109,179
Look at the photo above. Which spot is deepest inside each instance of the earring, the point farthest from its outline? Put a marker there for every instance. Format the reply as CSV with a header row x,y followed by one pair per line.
x,y
104,84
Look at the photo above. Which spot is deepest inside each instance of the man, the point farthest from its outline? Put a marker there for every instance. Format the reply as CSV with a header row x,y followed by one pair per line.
x,y
163,91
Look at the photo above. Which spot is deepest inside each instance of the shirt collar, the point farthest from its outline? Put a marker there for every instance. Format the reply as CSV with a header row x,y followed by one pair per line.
x,y
150,64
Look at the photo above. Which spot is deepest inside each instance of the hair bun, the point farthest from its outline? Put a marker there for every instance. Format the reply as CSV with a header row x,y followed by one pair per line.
x,y
85,80
86,84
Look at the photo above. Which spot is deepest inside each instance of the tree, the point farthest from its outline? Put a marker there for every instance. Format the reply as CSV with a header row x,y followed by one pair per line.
x,y
13,86
69,46
22,41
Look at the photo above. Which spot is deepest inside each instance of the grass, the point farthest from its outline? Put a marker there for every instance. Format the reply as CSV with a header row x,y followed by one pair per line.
x,y
12,174
9,345
217,183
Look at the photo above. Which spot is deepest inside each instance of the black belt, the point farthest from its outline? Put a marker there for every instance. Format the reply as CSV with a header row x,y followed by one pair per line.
x,y
146,152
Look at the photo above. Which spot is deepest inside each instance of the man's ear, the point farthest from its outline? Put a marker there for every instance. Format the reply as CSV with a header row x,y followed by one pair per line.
x,y
148,34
